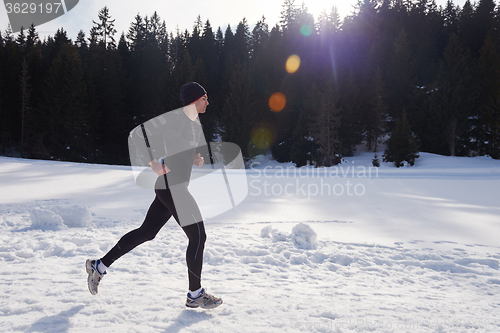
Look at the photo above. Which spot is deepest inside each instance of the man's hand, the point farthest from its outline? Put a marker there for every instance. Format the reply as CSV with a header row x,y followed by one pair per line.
x,y
198,160
159,168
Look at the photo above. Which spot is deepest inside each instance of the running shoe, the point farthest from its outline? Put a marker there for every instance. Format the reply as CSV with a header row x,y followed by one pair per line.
x,y
94,275
204,300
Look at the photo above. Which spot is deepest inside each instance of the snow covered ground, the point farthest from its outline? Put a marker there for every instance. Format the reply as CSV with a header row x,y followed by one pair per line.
x,y
345,249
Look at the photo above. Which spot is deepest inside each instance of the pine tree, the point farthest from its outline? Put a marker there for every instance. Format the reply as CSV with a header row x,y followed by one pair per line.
x,y
238,113
304,149
262,59
260,36
177,48
80,41
455,96
10,70
194,45
32,38
483,23
401,76
136,33
148,67
450,13
185,72
21,38
350,131
63,121
106,85
200,73
241,43
325,123
374,121
209,55
156,32
33,93
123,48
288,15
104,30
466,30
486,127
335,20
402,145
24,83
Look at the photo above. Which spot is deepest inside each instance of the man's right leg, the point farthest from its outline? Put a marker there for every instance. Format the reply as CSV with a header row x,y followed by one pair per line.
x,y
155,219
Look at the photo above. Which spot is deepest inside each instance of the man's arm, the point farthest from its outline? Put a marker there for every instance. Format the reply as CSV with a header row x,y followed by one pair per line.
x,y
159,168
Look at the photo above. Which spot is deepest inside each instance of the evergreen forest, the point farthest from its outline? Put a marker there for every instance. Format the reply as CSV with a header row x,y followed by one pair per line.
x,y
307,90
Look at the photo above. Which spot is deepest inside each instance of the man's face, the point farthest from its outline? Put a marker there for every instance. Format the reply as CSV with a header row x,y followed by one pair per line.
x,y
201,104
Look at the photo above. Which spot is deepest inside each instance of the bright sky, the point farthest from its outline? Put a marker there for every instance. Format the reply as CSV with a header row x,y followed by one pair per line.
x,y
181,13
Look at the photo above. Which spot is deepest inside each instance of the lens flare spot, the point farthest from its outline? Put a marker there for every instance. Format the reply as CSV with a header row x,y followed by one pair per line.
x,y
262,138
277,102
292,64
306,30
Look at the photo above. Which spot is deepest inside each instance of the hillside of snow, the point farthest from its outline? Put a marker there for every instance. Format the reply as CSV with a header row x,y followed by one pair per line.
x,y
349,248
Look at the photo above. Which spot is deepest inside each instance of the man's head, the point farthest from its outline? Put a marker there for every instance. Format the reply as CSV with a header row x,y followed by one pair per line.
x,y
194,93
191,92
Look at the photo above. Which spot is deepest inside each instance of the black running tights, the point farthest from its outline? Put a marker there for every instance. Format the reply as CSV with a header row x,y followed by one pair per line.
x,y
158,214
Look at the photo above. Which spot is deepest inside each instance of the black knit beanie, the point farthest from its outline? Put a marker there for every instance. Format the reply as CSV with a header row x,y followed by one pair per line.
x,y
191,92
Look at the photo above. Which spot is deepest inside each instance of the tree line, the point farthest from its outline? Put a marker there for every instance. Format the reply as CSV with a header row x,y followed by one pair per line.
x,y
437,69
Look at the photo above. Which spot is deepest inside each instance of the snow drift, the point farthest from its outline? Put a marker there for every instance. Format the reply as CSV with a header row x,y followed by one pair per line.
x,y
60,217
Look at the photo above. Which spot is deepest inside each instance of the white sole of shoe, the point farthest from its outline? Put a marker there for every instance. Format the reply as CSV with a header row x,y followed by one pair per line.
x,y
88,267
194,306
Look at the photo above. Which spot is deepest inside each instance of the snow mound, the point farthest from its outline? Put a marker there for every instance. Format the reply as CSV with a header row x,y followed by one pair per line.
x,y
46,220
302,236
266,232
60,217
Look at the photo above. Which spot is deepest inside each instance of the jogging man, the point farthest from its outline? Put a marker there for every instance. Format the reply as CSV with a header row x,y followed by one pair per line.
x,y
181,133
